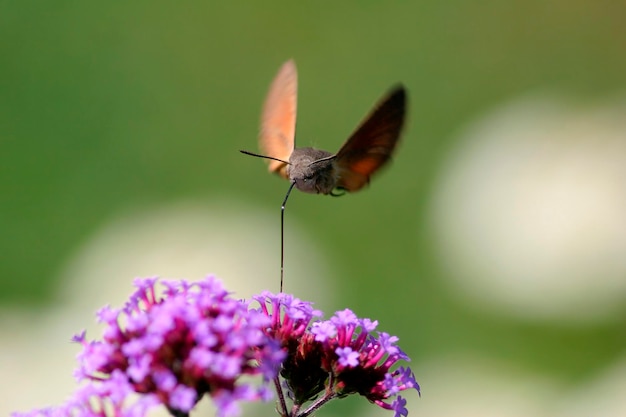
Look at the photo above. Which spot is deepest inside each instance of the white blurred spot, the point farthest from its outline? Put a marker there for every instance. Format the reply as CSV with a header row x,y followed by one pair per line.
x,y
470,386
474,386
188,240
530,212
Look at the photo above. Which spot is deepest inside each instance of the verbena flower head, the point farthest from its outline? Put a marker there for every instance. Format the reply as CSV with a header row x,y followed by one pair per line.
x,y
195,340
290,320
192,341
360,360
339,357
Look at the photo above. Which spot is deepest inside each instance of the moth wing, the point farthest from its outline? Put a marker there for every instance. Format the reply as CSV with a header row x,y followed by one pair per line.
x,y
278,120
372,144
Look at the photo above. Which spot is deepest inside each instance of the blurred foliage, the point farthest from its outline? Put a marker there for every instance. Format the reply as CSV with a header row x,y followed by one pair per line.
x,y
108,105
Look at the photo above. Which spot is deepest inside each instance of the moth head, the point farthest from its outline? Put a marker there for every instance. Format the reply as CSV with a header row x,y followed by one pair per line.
x,y
312,170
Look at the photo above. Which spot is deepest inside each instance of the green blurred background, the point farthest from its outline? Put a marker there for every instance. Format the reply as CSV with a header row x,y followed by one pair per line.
x,y
113,105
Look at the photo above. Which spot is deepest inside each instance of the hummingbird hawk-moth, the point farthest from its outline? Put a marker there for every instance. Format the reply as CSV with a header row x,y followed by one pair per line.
x,y
317,171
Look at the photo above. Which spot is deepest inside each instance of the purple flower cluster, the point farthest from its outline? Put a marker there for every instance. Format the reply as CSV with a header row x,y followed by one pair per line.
x,y
194,340
338,357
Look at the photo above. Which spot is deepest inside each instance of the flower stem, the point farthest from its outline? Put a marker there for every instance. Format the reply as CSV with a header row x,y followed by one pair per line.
x,y
317,404
177,413
281,398
328,395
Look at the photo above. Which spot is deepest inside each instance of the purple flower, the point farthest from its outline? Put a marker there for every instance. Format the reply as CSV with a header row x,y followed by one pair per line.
x,y
290,318
182,398
347,357
174,349
365,367
195,340
335,358
323,330
399,408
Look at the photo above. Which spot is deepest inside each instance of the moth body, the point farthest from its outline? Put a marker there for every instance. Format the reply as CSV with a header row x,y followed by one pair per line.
x,y
313,170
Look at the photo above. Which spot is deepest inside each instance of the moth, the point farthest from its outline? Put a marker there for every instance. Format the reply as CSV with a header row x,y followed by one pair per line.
x,y
312,170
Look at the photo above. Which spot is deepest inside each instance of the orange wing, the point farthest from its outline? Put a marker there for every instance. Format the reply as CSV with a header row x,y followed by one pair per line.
x,y
278,121
372,144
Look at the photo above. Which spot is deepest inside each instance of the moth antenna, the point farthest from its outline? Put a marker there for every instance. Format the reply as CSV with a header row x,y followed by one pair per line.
x,y
282,235
264,156
328,158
